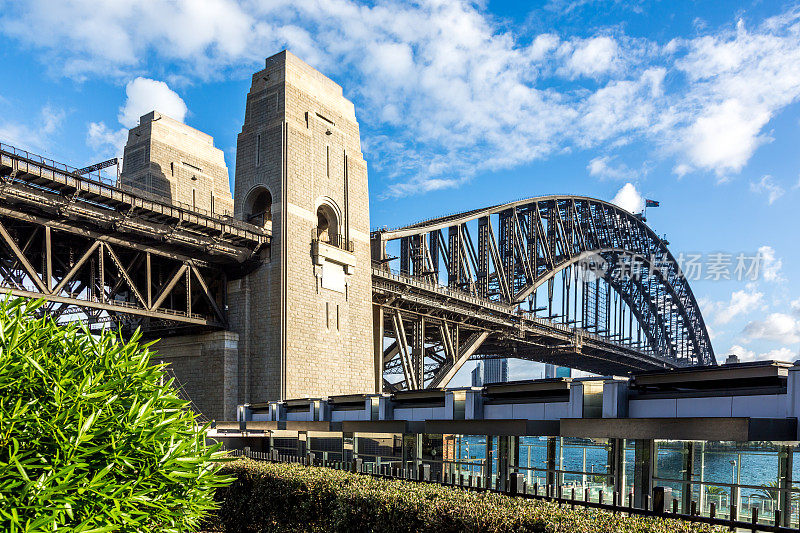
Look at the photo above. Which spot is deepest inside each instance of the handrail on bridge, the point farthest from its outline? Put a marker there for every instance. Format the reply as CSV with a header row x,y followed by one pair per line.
x,y
381,270
97,178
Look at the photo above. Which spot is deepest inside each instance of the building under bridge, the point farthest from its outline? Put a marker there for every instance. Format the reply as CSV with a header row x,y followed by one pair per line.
x,y
723,438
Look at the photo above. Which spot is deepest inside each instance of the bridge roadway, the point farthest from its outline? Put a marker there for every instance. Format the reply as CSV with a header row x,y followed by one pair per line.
x,y
116,254
510,333
585,263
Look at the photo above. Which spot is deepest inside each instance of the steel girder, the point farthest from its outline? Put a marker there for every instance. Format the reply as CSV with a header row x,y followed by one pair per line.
x,y
35,186
100,282
452,318
104,253
524,245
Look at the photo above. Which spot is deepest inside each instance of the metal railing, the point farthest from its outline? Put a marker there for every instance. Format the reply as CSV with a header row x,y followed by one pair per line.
x,y
336,240
98,179
515,485
380,270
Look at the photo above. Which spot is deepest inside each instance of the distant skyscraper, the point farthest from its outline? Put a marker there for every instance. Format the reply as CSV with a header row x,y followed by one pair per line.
x,y
553,371
495,371
476,376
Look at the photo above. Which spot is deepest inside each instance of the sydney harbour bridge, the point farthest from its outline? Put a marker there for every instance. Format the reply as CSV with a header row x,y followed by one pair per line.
x,y
291,280
567,280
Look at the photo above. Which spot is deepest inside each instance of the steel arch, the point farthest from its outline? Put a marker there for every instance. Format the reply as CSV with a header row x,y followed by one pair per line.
x,y
538,238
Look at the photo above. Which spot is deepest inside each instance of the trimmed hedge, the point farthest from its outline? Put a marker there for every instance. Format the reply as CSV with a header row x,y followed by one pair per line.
x,y
292,497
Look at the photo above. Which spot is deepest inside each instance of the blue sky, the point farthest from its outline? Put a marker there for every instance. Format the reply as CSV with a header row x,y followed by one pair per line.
x,y
694,104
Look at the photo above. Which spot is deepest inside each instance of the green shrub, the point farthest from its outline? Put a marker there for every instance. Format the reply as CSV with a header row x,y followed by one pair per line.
x,y
291,497
92,437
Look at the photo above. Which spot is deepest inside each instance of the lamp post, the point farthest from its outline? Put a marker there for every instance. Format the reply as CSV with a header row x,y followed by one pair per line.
x,y
734,490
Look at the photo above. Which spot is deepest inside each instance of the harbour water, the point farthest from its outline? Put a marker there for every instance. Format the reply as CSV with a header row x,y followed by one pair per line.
x,y
585,462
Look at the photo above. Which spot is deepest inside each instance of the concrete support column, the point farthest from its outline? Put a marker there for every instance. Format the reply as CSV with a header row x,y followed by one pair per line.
x,y
473,405
615,398
412,452
644,462
560,475
504,460
377,345
513,454
385,408
205,367
702,473
277,411
487,472
616,460
793,393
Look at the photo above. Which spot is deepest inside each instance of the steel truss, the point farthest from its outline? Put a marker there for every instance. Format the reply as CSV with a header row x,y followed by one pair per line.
x,y
92,279
575,261
101,254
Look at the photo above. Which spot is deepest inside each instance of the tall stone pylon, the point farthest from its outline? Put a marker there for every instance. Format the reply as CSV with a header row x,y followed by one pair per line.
x,y
304,317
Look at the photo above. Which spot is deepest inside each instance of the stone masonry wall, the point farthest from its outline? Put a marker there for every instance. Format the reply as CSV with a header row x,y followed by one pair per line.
x,y
206,366
170,159
296,337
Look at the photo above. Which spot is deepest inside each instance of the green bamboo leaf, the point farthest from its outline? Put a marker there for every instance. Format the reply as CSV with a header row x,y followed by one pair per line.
x,y
90,439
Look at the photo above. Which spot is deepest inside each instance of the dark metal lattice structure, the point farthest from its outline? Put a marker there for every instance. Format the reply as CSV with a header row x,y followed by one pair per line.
x,y
566,280
104,254
587,266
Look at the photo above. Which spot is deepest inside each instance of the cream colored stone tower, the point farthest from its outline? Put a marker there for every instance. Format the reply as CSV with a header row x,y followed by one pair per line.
x,y
304,317
170,159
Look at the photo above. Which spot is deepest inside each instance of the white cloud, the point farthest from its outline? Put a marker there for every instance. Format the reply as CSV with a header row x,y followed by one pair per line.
x,y
741,302
724,136
566,7
629,199
770,264
33,136
145,95
52,118
461,91
591,57
780,354
112,37
681,170
620,109
742,353
778,327
767,186
738,80
103,139
142,96
602,167
777,354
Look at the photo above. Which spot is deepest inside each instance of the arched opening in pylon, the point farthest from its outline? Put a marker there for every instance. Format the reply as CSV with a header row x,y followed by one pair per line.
x,y
258,207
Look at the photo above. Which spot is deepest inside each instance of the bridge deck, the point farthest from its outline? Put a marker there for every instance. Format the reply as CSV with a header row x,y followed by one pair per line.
x,y
37,186
112,254
514,334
